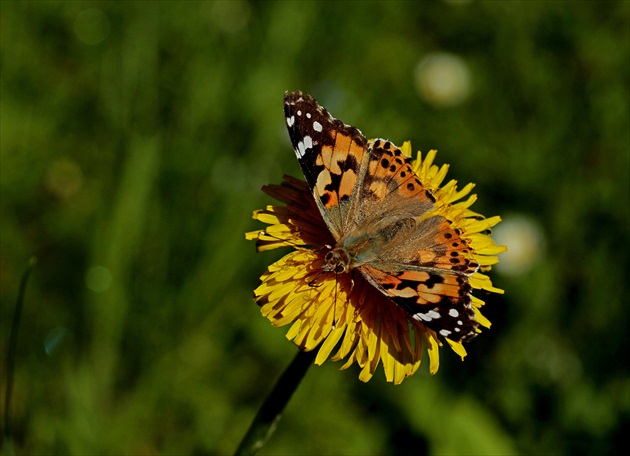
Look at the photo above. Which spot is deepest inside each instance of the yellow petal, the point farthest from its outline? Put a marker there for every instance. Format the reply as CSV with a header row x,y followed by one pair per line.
x,y
331,341
483,282
266,217
457,348
434,353
483,321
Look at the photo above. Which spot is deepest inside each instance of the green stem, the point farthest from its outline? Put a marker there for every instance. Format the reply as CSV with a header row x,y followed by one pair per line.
x,y
11,349
270,411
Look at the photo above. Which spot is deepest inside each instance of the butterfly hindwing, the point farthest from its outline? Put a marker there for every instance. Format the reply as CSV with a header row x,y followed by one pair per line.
x,y
440,301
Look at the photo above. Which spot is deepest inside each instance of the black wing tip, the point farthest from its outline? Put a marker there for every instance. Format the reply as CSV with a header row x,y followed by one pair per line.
x,y
292,94
297,96
297,101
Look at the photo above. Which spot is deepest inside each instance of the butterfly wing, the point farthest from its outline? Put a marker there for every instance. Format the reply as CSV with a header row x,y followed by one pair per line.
x,y
415,256
441,301
331,155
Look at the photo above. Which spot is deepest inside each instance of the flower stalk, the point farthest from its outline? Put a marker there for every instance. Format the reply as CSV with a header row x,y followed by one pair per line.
x,y
270,412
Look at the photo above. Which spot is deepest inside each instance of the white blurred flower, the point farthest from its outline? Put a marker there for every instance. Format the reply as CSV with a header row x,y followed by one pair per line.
x,y
525,241
443,79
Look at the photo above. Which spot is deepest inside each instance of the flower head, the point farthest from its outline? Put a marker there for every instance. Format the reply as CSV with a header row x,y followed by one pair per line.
x,y
343,315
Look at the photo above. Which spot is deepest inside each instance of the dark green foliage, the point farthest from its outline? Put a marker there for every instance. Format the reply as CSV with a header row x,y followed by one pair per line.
x,y
135,138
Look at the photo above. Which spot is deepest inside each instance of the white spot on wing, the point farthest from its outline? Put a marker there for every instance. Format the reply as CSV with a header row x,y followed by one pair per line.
x,y
299,150
453,313
290,121
308,114
444,332
308,142
317,126
430,315
299,113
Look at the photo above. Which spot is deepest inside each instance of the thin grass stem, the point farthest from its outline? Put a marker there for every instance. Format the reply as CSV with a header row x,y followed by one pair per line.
x,y
11,350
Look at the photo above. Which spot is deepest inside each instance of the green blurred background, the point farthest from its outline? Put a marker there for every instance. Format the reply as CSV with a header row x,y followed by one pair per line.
x,y
135,137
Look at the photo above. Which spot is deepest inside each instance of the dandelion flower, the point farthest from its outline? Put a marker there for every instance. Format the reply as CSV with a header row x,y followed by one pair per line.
x,y
384,257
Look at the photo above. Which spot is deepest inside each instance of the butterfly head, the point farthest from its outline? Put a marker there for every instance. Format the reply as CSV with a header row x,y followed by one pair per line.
x,y
337,260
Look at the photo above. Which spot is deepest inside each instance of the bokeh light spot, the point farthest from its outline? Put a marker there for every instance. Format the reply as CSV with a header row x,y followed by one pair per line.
x,y
443,79
525,241
98,279
92,26
231,16
559,364
64,178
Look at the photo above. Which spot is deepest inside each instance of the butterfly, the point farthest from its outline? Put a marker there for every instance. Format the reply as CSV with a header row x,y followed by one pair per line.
x,y
383,220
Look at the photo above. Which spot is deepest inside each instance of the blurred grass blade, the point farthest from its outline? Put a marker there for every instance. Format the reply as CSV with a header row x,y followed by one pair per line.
x,y
11,349
270,412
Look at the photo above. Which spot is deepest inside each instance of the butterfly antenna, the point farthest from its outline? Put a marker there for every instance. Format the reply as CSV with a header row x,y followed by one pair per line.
x,y
312,282
320,273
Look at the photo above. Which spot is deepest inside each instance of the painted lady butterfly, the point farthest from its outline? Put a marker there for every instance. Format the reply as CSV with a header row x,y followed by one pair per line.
x,y
382,219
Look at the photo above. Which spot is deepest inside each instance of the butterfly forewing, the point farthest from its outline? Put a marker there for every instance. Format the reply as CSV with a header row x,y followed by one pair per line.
x,y
330,154
390,186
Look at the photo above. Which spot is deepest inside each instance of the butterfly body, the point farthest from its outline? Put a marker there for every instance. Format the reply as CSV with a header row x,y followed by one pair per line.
x,y
384,220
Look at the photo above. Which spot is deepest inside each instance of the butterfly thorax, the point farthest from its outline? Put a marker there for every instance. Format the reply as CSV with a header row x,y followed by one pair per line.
x,y
366,245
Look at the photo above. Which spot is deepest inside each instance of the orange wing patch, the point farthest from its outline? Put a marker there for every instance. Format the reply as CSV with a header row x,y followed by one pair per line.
x,y
340,161
390,172
426,287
